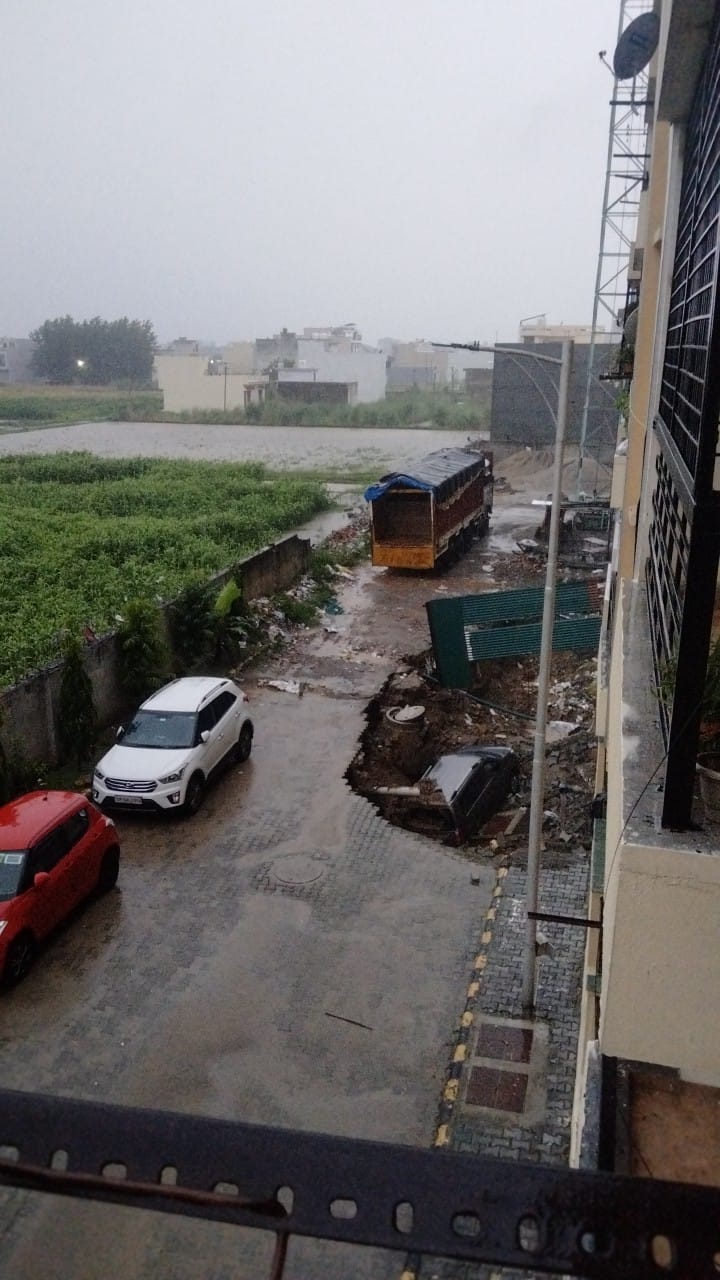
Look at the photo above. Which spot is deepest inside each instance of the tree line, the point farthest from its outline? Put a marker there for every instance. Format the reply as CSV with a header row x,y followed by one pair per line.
x,y
96,352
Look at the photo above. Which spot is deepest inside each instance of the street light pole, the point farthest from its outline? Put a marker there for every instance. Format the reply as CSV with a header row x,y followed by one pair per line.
x,y
537,788
537,793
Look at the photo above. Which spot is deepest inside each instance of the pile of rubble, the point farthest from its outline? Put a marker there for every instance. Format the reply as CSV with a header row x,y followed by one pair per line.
x,y
501,711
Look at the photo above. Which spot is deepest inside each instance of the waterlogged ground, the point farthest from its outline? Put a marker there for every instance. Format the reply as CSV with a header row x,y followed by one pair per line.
x,y
367,449
286,957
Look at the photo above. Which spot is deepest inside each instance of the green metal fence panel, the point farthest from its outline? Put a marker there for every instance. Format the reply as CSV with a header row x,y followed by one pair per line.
x,y
577,634
447,632
527,602
465,629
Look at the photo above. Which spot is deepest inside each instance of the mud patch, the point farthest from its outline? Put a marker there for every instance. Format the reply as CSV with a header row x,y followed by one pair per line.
x,y
500,710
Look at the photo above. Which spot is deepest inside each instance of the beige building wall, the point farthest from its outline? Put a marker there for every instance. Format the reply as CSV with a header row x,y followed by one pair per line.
x,y
240,357
661,911
652,315
579,333
186,385
421,355
661,984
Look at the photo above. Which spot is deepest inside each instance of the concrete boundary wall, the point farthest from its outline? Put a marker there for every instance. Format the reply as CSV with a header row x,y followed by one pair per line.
x,y
30,709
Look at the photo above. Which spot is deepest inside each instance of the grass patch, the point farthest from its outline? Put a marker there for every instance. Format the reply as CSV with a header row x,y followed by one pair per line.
x,y
41,405
81,536
45,405
439,409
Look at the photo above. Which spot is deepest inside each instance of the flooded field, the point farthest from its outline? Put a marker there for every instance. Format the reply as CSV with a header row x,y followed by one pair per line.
x,y
374,449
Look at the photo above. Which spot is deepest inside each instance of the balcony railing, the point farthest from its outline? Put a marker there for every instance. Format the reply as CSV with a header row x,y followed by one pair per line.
x,y
438,1203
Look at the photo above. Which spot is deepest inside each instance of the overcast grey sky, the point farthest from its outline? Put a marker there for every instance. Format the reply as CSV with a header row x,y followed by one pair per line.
x,y
425,168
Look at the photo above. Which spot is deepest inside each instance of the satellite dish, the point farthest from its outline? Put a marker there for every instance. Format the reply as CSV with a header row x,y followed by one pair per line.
x,y
636,46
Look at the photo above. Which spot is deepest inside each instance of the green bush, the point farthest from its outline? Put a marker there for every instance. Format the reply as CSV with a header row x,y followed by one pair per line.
x,y
235,625
77,728
192,624
299,613
142,654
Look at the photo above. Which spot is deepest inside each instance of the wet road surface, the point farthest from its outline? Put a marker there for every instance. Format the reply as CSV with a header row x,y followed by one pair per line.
x,y
214,979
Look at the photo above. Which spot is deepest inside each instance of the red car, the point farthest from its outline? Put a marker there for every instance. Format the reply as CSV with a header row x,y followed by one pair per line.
x,y
55,849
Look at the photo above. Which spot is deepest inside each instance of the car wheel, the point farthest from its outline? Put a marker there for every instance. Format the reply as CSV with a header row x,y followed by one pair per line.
x,y
244,743
195,794
20,956
109,868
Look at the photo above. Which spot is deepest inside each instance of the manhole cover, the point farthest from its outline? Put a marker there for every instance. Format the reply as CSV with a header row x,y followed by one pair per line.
x,y
406,717
297,868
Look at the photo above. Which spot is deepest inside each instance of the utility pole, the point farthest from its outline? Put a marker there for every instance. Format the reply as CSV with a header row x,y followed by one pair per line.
x,y
537,792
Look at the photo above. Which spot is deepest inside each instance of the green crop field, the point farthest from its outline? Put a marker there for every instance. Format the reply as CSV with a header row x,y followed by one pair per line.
x,y
82,535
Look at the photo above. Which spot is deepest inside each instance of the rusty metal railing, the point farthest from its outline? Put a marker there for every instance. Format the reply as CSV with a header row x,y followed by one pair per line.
x,y
438,1203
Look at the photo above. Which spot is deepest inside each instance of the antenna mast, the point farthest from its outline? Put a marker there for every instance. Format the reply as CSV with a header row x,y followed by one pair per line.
x,y
617,279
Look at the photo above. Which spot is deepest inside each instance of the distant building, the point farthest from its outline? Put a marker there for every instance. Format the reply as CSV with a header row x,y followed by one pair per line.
x,y
406,377
345,360
523,407
16,360
426,365
340,333
181,347
303,386
240,357
414,365
200,382
478,383
579,333
277,351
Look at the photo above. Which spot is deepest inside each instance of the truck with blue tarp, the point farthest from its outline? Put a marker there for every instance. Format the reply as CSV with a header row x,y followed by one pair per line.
x,y
426,517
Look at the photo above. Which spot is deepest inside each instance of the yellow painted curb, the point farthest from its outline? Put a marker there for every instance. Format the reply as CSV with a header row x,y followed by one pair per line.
x,y
441,1137
460,1053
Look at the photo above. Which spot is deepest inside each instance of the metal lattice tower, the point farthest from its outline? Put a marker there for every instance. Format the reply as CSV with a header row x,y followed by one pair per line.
x,y
618,273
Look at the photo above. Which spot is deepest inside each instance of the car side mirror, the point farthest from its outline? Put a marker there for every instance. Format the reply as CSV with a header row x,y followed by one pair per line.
x,y
204,735
40,879
120,733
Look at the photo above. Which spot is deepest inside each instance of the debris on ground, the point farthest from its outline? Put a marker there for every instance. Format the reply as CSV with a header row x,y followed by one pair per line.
x,y
285,686
394,753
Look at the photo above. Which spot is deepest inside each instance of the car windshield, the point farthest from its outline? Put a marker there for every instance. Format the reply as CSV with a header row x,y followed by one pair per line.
x,y
167,730
12,865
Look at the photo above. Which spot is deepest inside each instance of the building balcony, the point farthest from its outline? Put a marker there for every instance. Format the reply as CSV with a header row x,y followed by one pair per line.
x,y
660,958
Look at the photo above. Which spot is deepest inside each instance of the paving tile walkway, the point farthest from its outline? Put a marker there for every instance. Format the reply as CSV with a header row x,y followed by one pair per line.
x,y
510,1088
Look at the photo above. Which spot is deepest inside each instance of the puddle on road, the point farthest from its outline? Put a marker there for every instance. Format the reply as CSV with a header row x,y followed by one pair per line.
x,y
508,524
297,869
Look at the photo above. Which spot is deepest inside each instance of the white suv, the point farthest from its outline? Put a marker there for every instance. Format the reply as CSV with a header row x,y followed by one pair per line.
x,y
178,737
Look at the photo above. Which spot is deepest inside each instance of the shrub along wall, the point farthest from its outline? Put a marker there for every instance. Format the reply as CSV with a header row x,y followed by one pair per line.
x,y
29,709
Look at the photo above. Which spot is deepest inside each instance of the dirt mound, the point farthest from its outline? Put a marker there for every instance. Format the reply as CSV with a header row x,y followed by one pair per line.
x,y
531,471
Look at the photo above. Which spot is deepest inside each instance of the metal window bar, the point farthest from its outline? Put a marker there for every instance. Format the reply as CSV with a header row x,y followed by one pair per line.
x,y
684,541
438,1203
